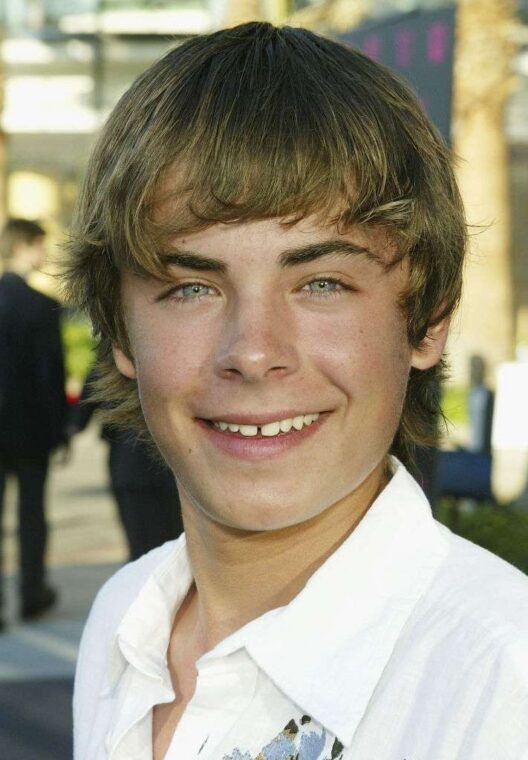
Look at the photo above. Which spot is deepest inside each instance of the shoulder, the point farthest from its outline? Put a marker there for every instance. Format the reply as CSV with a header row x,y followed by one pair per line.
x,y
465,651
12,286
484,583
45,306
476,610
18,292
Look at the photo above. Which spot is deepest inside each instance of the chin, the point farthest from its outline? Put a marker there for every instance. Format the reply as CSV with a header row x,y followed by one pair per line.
x,y
264,517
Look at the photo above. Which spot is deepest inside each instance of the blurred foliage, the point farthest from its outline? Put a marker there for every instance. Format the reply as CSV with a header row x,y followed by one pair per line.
x,y
502,530
79,346
455,404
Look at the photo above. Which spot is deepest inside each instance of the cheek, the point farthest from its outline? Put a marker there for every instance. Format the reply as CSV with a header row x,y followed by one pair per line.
x,y
361,352
168,362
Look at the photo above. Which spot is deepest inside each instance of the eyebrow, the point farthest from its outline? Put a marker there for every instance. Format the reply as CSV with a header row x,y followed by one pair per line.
x,y
288,258
295,256
192,260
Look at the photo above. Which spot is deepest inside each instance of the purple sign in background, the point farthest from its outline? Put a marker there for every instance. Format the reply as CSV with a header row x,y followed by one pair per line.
x,y
418,45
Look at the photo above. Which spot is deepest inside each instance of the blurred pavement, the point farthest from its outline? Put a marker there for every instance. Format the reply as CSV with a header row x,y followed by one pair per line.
x,y
37,660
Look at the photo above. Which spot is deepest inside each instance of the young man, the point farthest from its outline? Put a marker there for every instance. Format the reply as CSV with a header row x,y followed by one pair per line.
x,y
32,400
271,240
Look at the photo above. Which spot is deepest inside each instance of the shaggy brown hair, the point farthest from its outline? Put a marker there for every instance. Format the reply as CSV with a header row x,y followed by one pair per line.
x,y
257,122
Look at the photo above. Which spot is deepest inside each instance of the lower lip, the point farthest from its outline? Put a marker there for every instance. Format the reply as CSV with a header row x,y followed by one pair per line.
x,y
260,447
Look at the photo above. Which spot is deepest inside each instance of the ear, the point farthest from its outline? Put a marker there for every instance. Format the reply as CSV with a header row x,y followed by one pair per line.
x,y
431,348
123,363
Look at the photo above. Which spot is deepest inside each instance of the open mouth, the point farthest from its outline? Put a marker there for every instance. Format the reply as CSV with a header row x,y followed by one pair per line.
x,y
269,430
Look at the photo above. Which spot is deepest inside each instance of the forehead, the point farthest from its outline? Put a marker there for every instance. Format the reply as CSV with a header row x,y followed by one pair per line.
x,y
275,242
185,209
278,231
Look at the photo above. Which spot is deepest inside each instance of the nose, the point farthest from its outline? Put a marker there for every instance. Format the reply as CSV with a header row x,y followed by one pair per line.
x,y
257,341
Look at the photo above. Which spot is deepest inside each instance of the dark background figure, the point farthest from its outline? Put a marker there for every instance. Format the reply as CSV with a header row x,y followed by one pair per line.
x,y
32,401
426,473
465,473
143,487
480,407
426,458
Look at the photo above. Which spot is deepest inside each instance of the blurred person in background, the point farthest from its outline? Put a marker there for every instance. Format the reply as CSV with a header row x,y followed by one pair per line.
x,y
32,401
480,407
143,487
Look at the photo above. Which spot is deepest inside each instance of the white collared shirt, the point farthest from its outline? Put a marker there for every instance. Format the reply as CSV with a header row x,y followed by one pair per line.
x,y
409,643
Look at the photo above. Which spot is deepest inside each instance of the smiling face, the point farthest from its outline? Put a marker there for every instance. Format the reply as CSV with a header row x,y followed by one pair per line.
x,y
272,369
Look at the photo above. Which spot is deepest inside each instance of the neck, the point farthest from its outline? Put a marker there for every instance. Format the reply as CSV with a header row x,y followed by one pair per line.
x,y
240,575
19,267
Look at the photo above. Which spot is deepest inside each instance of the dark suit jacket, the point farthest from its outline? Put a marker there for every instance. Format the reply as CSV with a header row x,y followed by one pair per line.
x,y
32,393
132,463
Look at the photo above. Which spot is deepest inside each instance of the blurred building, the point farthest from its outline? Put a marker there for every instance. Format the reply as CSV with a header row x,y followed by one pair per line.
x,y
65,64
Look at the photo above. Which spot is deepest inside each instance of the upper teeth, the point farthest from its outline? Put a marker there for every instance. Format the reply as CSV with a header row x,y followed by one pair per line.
x,y
271,428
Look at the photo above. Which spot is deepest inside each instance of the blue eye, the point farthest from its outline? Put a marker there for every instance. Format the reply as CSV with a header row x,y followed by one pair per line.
x,y
191,290
186,292
324,287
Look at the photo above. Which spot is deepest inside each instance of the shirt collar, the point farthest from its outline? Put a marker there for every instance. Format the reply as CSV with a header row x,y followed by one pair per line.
x,y
327,649
142,638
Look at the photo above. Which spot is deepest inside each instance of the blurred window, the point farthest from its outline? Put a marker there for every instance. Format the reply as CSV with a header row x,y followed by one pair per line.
x,y
390,7
19,16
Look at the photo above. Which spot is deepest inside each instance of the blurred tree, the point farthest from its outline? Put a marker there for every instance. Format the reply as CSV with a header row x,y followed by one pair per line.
x,y
327,15
336,16
242,11
483,81
3,136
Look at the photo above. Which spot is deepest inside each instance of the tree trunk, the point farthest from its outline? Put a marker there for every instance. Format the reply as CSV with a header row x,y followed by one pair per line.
x,y
242,11
329,16
3,140
483,80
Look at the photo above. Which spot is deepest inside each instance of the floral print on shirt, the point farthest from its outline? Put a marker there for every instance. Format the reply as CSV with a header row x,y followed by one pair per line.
x,y
296,742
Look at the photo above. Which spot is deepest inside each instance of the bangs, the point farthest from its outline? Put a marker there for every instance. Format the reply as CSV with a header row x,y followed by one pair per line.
x,y
275,127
